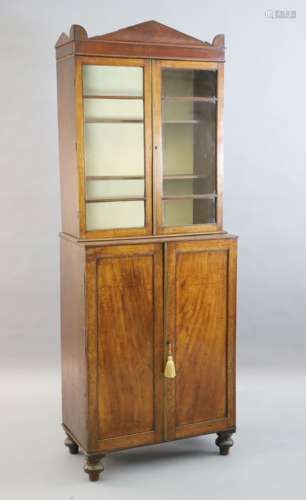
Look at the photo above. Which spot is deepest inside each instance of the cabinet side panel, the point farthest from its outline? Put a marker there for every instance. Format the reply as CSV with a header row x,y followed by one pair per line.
x,y
74,380
67,146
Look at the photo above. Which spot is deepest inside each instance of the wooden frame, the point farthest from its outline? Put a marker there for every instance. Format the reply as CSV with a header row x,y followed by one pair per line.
x,y
124,232
159,228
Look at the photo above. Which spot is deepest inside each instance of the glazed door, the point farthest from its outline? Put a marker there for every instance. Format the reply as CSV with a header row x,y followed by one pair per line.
x,y
125,345
114,146
187,116
200,325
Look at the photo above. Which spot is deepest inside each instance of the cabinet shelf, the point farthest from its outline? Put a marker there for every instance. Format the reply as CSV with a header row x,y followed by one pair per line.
x,y
114,177
111,120
189,196
123,198
180,122
190,99
112,97
183,177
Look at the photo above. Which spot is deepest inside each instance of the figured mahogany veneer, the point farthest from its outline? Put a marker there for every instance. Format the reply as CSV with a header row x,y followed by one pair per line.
x,y
200,312
130,297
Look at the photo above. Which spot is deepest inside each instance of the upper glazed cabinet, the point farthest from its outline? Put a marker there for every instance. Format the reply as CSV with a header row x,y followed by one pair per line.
x,y
140,136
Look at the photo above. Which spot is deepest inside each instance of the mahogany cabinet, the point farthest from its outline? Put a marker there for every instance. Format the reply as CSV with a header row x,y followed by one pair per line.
x,y
148,275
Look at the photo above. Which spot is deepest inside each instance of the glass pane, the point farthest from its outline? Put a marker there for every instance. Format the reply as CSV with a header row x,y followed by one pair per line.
x,y
114,146
178,149
185,212
186,187
114,188
112,80
189,145
115,214
187,82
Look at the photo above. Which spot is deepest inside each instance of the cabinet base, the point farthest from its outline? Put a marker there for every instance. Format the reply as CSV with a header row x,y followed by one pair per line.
x,y
93,466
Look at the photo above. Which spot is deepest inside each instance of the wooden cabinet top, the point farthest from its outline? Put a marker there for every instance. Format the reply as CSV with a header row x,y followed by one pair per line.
x,y
140,132
148,40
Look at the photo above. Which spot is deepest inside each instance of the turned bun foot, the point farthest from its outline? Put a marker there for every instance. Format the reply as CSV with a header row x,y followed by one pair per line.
x,y
224,442
71,445
93,467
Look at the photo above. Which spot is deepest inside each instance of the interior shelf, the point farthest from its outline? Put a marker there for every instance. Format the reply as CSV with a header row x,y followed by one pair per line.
x,y
190,196
190,99
183,122
183,177
114,177
112,97
126,198
111,120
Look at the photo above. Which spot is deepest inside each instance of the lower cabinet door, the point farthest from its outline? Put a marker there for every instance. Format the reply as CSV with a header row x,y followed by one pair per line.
x,y
200,325
125,345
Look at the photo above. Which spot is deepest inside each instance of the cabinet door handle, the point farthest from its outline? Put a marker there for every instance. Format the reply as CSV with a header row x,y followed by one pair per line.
x,y
170,366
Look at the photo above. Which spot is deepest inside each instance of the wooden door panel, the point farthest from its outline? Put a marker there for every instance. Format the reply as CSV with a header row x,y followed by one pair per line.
x,y
129,337
125,348
201,326
200,336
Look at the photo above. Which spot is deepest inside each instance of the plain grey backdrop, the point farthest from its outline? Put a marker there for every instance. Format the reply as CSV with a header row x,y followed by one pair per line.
x,y
265,183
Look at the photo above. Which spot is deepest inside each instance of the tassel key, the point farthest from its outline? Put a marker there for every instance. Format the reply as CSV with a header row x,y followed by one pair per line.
x,y
170,366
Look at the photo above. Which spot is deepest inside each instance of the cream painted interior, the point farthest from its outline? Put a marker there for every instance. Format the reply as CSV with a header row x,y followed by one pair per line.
x,y
178,146
178,212
114,188
177,149
184,145
112,80
181,187
114,149
112,215
108,109
177,137
117,149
